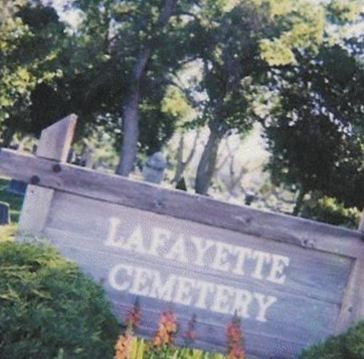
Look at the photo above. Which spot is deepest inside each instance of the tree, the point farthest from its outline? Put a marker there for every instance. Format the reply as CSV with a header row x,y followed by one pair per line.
x,y
130,111
28,36
145,40
236,46
315,131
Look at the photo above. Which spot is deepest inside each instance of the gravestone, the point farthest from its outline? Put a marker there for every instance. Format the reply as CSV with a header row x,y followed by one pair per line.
x,y
17,187
249,198
153,169
4,213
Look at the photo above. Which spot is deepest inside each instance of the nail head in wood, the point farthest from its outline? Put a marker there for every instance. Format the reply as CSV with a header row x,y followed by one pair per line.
x,y
57,168
34,180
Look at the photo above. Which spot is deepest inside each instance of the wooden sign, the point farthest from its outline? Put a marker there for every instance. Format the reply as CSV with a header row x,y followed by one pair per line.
x,y
292,282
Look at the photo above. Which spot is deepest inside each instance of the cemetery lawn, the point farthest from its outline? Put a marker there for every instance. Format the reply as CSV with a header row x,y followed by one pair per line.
x,y
15,203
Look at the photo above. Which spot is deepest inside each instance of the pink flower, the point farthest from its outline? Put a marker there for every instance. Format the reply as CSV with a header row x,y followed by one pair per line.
x,y
234,338
167,328
189,335
133,316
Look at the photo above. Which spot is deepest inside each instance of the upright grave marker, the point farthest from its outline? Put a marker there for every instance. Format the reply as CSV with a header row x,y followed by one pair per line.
x,y
292,281
4,213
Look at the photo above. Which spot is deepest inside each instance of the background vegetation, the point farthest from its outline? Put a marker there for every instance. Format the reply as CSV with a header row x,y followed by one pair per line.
x,y
253,101
347,346
198,79
49,309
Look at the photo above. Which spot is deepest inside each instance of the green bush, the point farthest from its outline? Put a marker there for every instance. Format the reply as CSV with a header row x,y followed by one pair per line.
x,y
49,309
329,210
346,346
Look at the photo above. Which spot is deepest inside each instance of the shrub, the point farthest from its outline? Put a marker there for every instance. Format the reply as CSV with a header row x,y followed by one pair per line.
x,y
346,346
329,210
49,309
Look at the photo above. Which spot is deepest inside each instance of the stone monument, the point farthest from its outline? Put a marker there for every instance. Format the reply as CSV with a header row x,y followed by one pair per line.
x,y
154,167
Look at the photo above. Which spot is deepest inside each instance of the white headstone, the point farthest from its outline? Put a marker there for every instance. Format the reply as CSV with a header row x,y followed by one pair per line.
x,y
153,169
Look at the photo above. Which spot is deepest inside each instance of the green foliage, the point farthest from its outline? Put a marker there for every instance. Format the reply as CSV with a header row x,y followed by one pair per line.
x,y
238,45
7,232
300,26
48,309
329,210
15,202
141,349
28,37
124,30
314,131
342,11
347,346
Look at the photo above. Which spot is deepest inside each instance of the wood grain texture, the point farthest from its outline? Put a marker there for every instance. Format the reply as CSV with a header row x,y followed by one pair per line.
x,y
296,321
34,213
352,308
323,293
54,143
308,304
89,221
55,140
118,190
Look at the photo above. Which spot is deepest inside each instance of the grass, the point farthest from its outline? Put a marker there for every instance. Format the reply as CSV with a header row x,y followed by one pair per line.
x,y
15,202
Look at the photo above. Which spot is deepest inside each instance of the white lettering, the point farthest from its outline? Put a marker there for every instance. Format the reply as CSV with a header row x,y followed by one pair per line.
x,y
135,242
221,261
140,281
204,288
243,299
242,253
159,238
260,257
162,290
111,235
278,264
264,302
183,292
178,251
202,246
222,298
115,272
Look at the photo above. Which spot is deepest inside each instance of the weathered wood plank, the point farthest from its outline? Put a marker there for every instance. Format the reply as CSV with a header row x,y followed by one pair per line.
x,y
296,320
352,308
307,305
293,281
54,144
353,303
115,189
268,349
313,273
35,209
296,284
55,140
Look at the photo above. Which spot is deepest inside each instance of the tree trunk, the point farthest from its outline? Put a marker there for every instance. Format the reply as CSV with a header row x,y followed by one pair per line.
x,y
206,166
8,135
361,222
182,164
130,110
128,148
299,201
130,114
179,157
